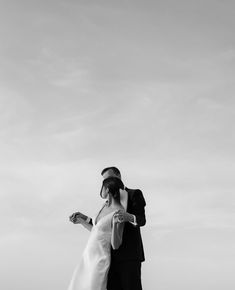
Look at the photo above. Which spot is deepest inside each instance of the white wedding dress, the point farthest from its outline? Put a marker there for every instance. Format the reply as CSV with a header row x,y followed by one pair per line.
x,y
91,273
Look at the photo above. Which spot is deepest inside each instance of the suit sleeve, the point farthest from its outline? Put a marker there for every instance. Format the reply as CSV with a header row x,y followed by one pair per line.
x,y
138,205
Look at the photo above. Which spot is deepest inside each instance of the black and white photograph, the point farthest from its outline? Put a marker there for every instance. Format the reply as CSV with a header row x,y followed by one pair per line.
x,y
117,144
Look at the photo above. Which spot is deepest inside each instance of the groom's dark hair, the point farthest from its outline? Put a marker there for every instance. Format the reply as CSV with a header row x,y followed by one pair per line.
x,y
115,170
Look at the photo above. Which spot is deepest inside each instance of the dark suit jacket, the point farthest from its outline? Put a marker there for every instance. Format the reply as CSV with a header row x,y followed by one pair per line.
x,y
132,246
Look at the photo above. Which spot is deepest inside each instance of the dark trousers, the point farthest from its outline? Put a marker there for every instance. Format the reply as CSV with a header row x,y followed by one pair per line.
x,y
124,275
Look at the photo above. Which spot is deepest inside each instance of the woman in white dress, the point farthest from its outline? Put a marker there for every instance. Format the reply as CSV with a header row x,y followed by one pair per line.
x,y
106,232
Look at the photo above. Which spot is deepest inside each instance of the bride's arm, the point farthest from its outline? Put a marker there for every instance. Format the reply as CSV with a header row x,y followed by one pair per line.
x,y
86,224
117,232
79,218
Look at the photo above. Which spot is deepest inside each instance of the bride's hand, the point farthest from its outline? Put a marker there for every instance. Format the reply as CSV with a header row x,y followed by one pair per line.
x,y
77,217
77,220
124,216
117,218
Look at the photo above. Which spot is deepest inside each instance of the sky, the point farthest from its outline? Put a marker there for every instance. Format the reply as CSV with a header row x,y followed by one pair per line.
x,y
147,86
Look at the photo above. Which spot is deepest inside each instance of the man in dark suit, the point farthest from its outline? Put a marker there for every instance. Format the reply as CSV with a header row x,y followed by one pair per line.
x,y
125,268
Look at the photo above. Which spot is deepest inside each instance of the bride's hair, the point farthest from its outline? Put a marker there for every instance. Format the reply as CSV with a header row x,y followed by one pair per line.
x,y
113,184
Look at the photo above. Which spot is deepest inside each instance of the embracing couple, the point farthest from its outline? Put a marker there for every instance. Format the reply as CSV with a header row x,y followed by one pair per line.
x,y
114,252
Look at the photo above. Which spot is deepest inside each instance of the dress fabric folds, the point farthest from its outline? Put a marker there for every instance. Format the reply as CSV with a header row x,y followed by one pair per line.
x,y
92,271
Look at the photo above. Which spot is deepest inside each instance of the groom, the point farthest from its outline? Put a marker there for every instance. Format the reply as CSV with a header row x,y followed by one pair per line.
x,y
125,268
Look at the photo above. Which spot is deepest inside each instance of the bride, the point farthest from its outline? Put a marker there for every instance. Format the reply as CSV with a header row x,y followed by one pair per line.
x,y
106,232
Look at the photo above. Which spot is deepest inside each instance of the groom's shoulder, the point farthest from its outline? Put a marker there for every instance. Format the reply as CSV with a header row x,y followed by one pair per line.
x,y
136,196
132,191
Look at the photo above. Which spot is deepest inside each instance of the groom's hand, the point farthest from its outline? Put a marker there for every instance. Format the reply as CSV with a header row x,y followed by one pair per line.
x,y
123,216
77,217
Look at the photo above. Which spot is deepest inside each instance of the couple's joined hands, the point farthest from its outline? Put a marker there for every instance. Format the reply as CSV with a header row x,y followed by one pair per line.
x,y
122,216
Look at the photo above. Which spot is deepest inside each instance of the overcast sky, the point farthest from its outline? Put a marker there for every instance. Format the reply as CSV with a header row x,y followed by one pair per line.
x,y
147,86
